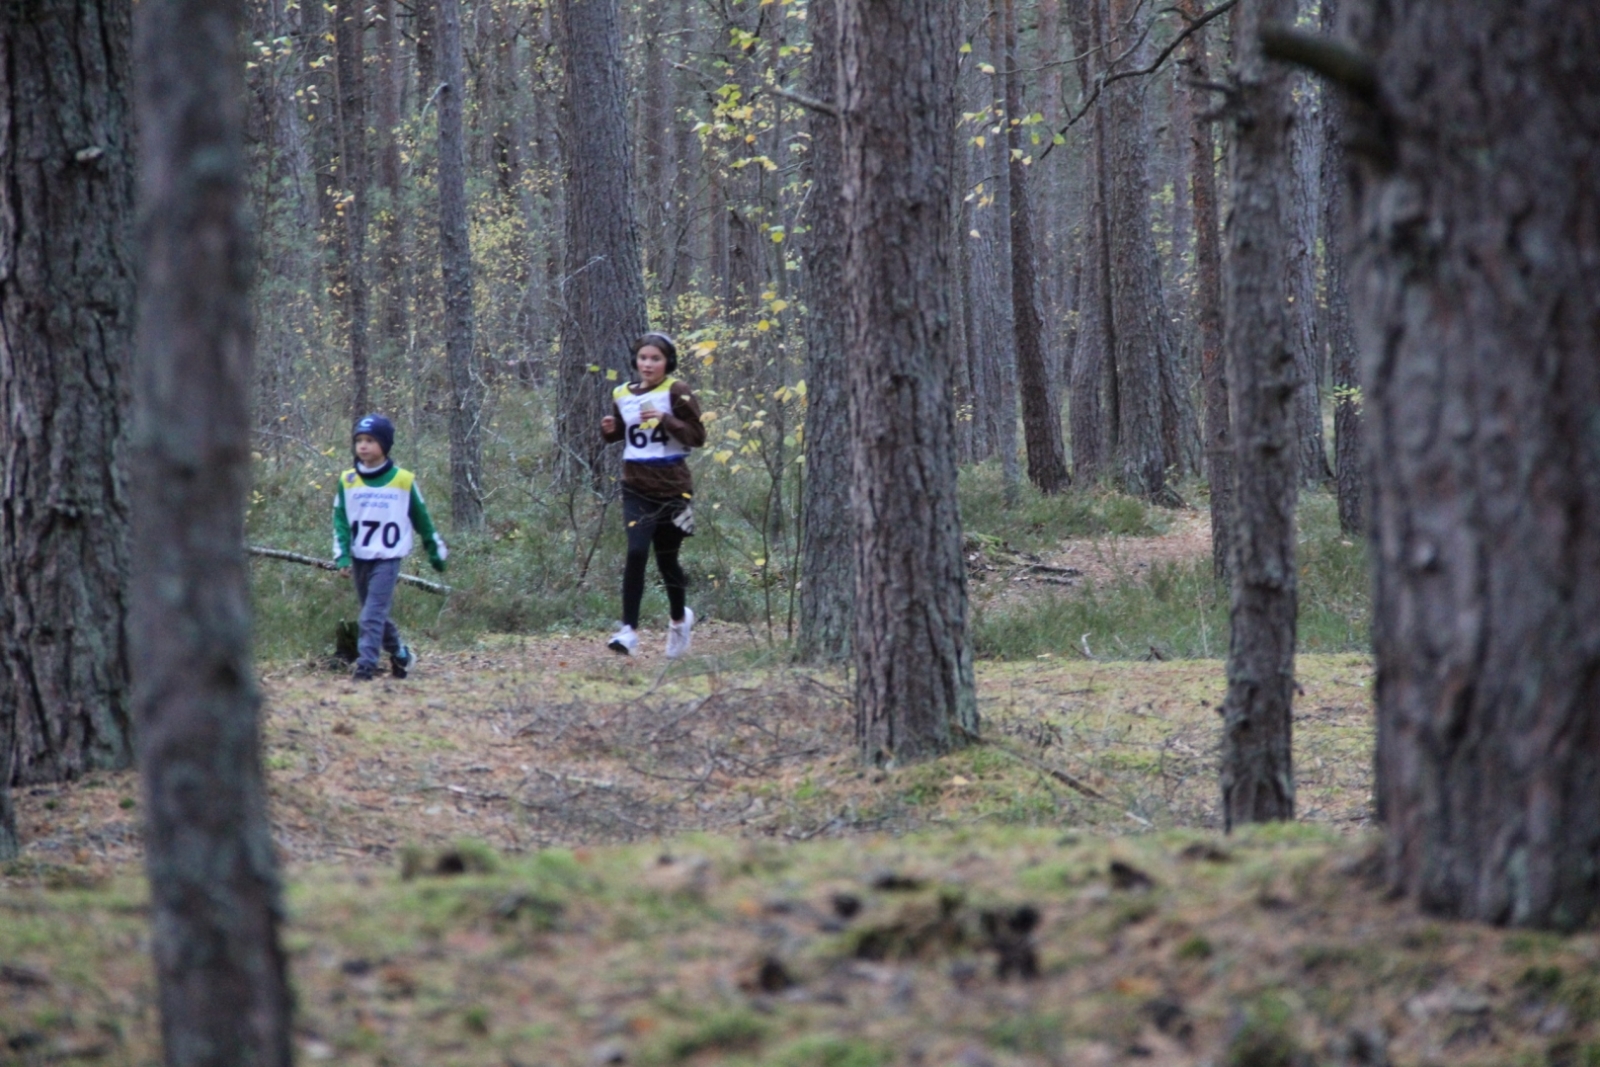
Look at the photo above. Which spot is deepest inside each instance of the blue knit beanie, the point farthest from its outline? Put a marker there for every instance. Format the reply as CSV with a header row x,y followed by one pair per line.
x,y
378,428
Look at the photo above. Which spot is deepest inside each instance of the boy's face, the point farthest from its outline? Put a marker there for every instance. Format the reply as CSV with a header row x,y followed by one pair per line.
x,y
368,451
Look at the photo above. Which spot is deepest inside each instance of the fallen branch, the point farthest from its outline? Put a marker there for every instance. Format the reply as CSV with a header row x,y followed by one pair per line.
x,y
1072,781
438,588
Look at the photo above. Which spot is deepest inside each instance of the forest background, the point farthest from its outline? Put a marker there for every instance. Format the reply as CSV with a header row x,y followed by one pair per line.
x,y
1131,316
345,190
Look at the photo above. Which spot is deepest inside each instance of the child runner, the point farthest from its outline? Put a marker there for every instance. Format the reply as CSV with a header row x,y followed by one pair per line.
x,y
375,511
659,419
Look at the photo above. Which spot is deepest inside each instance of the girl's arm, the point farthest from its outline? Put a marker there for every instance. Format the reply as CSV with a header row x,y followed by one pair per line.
x,y
684,420
617,428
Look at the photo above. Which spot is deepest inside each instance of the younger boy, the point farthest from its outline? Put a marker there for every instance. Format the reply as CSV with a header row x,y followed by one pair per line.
x,y
375,512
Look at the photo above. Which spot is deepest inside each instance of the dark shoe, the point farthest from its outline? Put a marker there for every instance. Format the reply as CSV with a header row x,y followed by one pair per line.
x,y
401,661
362,673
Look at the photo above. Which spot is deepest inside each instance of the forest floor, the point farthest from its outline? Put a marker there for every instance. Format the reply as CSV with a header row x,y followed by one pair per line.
x,y
534,852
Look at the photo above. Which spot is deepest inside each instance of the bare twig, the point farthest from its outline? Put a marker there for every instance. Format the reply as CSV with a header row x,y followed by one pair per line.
x,y
809,102
1342,64
1106,79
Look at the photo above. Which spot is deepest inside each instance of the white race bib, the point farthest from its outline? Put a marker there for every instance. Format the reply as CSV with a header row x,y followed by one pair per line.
x,y
380,517
644,441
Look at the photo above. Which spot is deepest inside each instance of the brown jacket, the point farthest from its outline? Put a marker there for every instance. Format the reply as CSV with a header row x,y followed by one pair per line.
x,y
672,480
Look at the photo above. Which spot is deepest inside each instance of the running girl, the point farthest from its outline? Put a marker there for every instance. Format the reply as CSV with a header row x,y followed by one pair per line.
x,y
658,419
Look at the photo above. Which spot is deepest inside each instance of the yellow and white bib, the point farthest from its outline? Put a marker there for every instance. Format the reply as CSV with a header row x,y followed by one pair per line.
x,y
644,441
380,517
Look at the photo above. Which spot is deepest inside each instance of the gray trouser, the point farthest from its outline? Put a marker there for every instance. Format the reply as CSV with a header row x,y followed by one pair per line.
x,y
375,581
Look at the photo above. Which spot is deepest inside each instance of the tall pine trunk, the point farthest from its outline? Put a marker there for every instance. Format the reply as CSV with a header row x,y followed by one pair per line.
x,y
827,581
1477,218
349,64
215,900
455,268
392,319
66,321
1091,399
1041,416
1208,301
602,291
913,654
1337,326
1263,373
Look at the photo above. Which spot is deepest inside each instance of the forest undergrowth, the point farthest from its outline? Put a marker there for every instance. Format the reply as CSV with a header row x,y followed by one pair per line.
x,y
535,852
1049,575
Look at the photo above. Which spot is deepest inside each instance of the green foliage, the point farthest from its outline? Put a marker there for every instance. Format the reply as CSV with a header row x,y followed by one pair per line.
x,y
1041,522
827,1050
1179,611
1264,1036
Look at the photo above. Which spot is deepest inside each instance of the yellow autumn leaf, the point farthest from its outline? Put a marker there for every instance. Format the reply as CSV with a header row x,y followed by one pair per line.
x,y
723,456
763,326
611,375
779,305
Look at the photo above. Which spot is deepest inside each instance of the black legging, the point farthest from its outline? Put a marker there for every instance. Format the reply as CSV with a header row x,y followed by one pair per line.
x,y
650,523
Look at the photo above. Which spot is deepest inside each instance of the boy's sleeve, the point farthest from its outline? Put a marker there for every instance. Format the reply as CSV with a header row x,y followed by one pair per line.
x,y
341,530
422,522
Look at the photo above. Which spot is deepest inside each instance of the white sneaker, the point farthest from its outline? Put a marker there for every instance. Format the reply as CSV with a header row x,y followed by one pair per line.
x,y
624,641
679,634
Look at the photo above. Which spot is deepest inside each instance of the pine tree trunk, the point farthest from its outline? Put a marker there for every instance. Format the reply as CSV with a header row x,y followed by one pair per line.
x,y
1263,373
66,321
603,289
391,265
455,267
1140,346
1303,173
349,64
215,898
913,654
1041,416
1000,345
1349,465
827,582
1091,404
1477,221
1208,302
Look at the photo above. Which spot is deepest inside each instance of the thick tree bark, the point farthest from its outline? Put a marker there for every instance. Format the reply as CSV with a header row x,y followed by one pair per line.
x,y
208,847
1141,346
455,268
603,289
1477,219
391,266
350,74
827,576
1041,416
1303,173
1263,374
1349,469
66,321
1091,399
913,654
1208,302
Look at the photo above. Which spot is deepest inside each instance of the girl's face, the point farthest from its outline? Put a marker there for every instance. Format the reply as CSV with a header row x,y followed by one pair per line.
x,y
368,451
652,364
